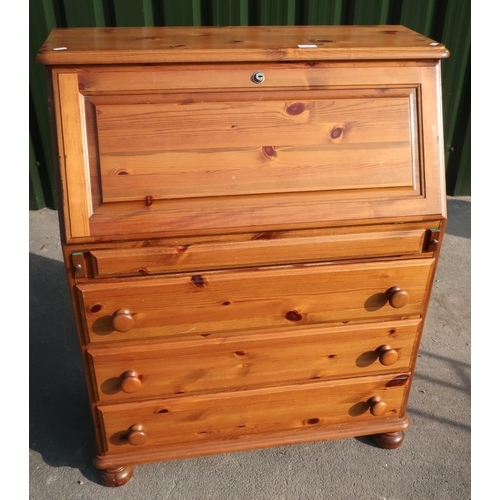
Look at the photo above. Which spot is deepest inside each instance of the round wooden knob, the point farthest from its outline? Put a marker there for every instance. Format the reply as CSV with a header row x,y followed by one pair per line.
x,y
123,321
397,297
130,382
386,355
136,435
377,406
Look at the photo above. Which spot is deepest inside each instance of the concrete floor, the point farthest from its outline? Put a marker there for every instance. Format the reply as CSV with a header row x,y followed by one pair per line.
x,y
434,462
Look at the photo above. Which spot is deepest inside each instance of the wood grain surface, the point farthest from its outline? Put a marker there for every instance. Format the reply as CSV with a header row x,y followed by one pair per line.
x,y
247,300
236,43
250,361
230,416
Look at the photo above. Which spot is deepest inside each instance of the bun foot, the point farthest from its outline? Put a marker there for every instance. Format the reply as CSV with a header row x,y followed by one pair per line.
x,y
116,477
389,440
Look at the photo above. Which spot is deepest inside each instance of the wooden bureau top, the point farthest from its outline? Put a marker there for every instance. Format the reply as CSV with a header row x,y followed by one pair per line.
x,y
77,46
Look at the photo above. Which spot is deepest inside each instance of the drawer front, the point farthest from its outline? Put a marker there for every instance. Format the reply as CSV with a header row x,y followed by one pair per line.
x,y
230,416
276,358
245,300
277,247
152,162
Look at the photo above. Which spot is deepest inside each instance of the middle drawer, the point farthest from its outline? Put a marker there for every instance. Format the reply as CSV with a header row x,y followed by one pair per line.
x,y
133,372
251,300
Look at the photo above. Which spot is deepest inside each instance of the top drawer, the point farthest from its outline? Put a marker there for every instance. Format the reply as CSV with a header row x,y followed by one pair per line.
x,y
176,150
241,301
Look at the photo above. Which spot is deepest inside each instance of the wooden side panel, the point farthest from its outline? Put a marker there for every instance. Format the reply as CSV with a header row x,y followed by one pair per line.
x,y
74,142
432,138
246,300
231,416
244,362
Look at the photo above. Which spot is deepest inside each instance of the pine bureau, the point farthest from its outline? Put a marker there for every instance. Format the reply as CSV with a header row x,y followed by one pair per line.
x,y
251,219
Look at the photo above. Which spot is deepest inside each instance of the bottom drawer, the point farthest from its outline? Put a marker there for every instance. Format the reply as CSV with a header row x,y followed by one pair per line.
x,y
190,420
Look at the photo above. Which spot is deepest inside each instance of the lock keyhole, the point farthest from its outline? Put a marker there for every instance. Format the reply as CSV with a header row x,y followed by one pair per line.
x,y
258,77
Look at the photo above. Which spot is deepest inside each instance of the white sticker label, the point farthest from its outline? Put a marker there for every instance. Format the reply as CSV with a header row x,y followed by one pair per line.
x,y
308,46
